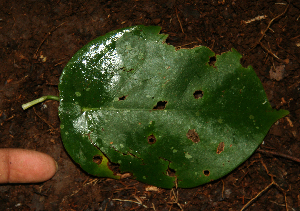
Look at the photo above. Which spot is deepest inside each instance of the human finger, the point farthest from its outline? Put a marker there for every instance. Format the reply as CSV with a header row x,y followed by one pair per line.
x,y
25,166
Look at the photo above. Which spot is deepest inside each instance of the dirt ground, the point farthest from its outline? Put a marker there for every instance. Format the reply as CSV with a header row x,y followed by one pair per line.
x,y
38,38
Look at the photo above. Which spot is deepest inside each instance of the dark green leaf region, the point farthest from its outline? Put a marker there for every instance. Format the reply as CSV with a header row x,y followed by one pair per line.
x,y
131,103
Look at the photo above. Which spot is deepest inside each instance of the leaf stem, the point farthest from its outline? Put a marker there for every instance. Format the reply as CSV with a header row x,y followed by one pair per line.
x,y
39,100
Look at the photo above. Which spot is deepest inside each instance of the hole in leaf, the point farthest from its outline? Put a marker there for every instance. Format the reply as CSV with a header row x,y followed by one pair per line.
x,y
114,167
151,139
193,136
123,97
160,105
97,159
198,94
212,61
171,172
206,172
220,147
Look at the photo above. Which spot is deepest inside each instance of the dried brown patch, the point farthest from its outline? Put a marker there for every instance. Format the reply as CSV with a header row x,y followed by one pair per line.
x,y
193,136
220,147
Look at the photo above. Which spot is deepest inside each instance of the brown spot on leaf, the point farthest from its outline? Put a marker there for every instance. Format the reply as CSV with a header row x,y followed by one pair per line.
x,y
193,136
125,69
220,147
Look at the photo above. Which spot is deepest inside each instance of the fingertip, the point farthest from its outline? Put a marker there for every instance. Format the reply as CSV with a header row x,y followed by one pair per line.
x,y
27,166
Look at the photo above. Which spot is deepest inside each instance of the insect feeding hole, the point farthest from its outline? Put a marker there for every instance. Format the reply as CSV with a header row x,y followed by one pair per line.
x,y
151,139
198,94
206,172
161,105
123,97
97,159
212,61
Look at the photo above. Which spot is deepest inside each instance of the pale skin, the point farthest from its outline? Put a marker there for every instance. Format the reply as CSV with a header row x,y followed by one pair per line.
x,y
25,166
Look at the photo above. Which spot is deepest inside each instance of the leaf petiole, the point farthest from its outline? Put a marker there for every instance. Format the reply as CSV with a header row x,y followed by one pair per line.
x,y
39,100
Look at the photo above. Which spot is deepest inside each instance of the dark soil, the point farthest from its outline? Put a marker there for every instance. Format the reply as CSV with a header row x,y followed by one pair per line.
x,y
38,38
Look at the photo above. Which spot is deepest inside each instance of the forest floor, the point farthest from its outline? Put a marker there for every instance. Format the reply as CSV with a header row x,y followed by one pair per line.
x,y
38,38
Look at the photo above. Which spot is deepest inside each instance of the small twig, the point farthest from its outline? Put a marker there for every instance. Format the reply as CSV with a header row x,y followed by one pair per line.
x,y
257,18
186,44
179,21
130,201
175,201
264,165
153,207
137,198
270,52
264,32
223,188
264,191
257,196
295,37
48,34
93,182
278,44
52,128
279,154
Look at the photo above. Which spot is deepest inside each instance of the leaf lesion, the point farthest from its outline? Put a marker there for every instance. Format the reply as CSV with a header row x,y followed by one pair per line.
x,y
220,148
125,69
130,152
193,136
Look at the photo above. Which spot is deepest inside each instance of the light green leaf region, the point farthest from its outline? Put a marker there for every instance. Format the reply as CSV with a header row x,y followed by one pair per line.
x,y
132,103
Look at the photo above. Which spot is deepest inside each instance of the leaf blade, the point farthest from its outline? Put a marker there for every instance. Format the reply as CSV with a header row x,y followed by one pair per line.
x,y
110,92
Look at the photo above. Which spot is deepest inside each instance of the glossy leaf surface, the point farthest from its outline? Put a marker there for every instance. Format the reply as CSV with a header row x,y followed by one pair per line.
x,y
130,99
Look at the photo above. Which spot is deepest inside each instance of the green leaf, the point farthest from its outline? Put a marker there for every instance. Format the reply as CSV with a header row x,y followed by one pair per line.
x,y
130,99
